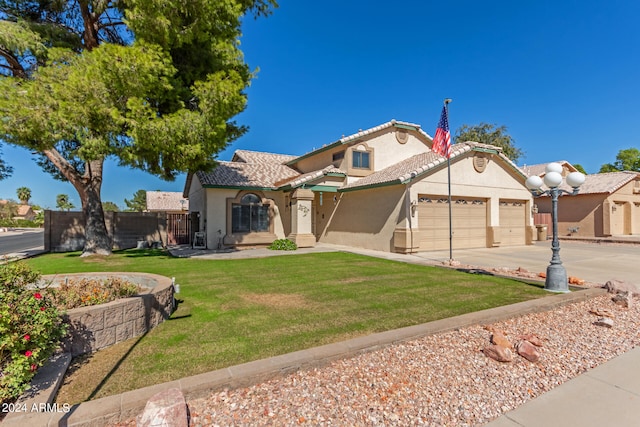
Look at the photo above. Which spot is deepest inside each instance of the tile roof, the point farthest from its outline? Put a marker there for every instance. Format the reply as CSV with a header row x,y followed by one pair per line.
x,y
417,165
310,176
362,133
374,129
270,171
604,183
240,174
166,201
24,210
258,157
539,169
400,172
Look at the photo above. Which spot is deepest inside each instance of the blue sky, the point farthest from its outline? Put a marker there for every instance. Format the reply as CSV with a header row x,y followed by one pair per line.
x,y
561,75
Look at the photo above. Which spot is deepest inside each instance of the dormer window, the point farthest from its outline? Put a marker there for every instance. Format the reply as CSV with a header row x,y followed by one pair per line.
x,y
361,160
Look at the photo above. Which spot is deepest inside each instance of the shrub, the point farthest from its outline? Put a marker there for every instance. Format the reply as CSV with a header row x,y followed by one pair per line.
x,y
21,223
85,292
30,329
283,245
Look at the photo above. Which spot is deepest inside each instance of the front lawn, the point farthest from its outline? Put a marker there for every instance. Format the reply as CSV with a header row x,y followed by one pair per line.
x,y
235,311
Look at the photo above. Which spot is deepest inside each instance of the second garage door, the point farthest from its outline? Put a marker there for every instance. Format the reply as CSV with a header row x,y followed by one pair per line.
x,y
468,217
512,222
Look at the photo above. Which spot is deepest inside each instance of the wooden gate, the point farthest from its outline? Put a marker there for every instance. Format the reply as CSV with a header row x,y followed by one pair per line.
x,y
178,229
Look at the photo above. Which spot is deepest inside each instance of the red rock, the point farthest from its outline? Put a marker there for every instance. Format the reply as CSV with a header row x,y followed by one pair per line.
x,y
499,353
533,339
167,408
498,338
528,351
602,312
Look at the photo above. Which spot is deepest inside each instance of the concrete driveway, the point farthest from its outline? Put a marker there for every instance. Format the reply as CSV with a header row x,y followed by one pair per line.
x,y
594,262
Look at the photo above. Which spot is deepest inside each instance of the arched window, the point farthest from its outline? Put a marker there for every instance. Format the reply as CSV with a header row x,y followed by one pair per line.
x,y
250,215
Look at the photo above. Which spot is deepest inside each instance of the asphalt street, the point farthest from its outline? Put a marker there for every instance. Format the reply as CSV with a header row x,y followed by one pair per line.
x,y
21,240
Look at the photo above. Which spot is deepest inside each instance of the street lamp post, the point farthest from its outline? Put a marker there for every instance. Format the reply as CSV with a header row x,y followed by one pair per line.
x,y
556,280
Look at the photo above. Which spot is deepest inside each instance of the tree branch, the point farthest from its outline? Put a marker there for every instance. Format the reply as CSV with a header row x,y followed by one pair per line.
x,y
68,171
14,64
90,21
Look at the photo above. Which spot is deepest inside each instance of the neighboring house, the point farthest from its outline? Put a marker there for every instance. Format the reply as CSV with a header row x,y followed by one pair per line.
x,y
25,212
166,201
381,188
608,204
179,225
22,212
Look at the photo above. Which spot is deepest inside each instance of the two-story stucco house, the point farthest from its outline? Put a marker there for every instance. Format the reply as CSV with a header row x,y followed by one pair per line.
x,y
381,188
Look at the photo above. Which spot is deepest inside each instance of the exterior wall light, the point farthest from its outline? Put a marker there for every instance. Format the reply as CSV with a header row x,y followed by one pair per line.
x,y
556,280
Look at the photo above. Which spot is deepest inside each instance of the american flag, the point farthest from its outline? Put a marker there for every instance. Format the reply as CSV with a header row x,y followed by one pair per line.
x,y
442,140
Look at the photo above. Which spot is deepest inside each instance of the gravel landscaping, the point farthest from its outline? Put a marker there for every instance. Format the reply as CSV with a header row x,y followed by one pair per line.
x,y
443,379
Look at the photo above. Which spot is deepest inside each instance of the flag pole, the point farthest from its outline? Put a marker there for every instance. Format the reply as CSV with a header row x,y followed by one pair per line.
x,y
446,106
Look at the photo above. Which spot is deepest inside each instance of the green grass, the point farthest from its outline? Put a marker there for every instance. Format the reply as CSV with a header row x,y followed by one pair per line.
x,y
235,311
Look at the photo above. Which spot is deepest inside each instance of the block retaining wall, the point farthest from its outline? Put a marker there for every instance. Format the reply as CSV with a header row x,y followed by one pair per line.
x,y
100,326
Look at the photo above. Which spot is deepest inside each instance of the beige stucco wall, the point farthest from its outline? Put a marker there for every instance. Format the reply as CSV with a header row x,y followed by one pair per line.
x,y
497,182
216,214
212,203
197,199
386,150
586,212
365,218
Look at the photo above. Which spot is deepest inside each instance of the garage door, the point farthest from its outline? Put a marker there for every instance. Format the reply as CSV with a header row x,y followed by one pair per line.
x,y
468,217
512,222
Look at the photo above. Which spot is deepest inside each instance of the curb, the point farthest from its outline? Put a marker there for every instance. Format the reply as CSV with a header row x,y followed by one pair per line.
x,y
113,409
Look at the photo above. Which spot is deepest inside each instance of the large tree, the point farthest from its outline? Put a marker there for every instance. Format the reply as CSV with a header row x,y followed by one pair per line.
x,y
490,134
154,84
626,160
5,169
24,194
64,203
138,202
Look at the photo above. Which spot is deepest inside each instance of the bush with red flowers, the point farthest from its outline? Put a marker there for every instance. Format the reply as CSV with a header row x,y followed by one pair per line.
x,y
30,329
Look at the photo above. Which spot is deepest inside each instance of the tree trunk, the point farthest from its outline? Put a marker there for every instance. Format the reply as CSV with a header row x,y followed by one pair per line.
x,y
88,185
97,240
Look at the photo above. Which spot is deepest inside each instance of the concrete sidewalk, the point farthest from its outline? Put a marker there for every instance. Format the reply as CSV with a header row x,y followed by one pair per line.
x,y
608,395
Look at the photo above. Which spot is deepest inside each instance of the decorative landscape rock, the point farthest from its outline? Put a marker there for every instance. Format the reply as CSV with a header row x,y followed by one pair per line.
x,y
533,339
602,312
498,338
528,351
498,353
618,286
624,299
167,408
576,281
604,321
